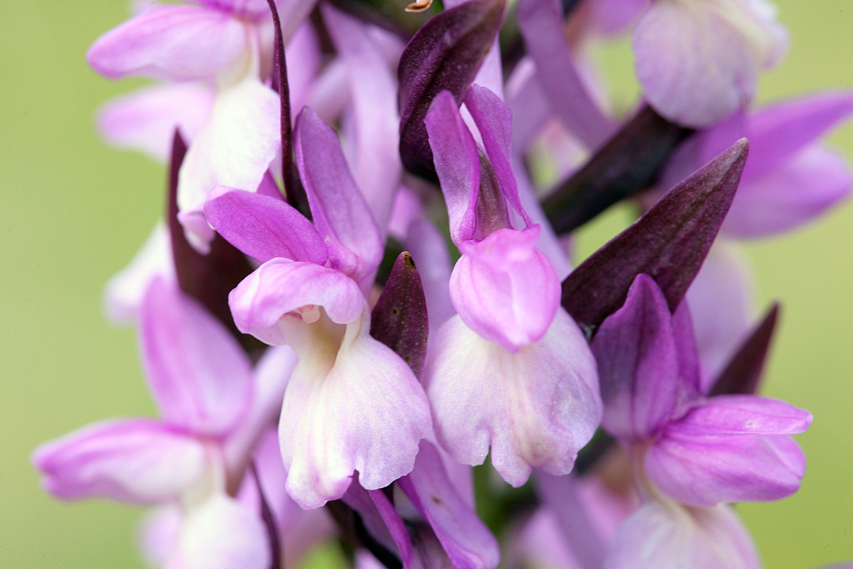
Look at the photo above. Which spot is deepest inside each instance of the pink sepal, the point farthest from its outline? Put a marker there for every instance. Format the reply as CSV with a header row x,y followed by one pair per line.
x,y
172,43
140,461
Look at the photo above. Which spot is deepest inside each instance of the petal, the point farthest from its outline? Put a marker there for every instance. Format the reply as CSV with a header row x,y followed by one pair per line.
x,y
698,61
505,289
804,187
535,407
172,43
221,534
366,413
199,375
137,460
717,453
375,155
667,536
264,227
146,119
234,149
542,28
124,292
457,163
158,533
494,121
463,536
638,364
280,286
340,213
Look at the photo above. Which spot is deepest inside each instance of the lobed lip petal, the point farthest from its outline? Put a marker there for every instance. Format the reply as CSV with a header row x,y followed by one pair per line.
x,y
221,533
664,535
234,149
264,227
457,163
365,411
280,286
534,408
172,43
198,374
139,461
505,289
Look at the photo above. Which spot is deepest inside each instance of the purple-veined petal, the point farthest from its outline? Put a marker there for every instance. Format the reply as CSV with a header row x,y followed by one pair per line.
x,y
534,408
698,61
280,286
234,149
198,374
124,292
464,537
340,213
494,121
172,43
665,535
146,119
457,163
136,460
505,289
542,27
721,301
727,450
221,533
804,187
638,364
264,227
358,409
375,155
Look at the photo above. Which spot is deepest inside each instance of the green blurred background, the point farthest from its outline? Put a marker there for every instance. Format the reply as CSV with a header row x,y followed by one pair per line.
x,y
74,212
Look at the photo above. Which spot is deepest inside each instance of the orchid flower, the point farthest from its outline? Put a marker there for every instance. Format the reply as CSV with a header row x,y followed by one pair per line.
x,y
527,387
214,408
352,403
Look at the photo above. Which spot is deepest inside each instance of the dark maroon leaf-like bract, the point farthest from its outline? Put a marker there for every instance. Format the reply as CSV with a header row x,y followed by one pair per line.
x,y
399,319
668,243
207,278
444,55
743,372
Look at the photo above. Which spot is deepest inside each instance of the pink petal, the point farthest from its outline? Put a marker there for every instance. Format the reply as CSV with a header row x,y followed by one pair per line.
x,y
534,408
464,537
146,119
138,460
505,289
261,303
340,213
667,536
457,163
375,155
716,452
221,533
234,149
638,364
798,191
198,373
124,292
698,61
360,409
172,43
264,227
158,533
